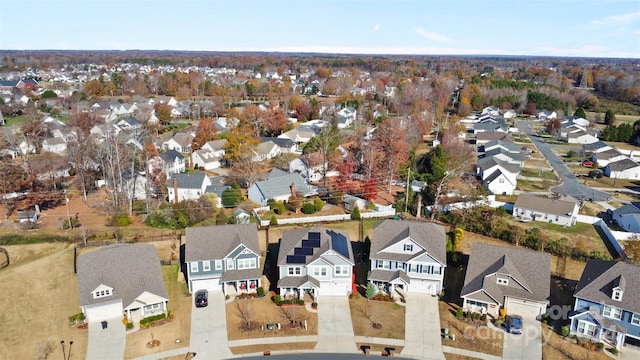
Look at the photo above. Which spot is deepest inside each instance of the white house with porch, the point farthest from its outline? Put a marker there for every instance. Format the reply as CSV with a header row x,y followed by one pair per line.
x,y
408,256
223,258
314,261
121,279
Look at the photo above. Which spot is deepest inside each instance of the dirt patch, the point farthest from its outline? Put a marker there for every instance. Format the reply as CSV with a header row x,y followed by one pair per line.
x,y
364,313
289,348
558,348
39,293
467,336
248,319
450,356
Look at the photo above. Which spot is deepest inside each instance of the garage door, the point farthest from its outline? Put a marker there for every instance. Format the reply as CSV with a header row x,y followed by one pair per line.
x,y
523,308
331,288
423,286
105,311
206,284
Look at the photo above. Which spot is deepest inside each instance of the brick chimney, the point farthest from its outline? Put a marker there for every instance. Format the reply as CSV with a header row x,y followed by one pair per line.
x,y
175,190
293,190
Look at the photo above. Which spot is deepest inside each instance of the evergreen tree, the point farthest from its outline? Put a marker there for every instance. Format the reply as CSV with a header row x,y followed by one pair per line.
x,y
580,112
371,291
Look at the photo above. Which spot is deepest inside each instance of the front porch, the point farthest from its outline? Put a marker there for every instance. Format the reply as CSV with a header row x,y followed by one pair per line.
x,y
299,287
591,325
394,290
234,288
393,283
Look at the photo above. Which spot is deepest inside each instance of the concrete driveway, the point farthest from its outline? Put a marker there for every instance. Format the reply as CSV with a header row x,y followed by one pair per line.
x,y
335,331
109,343
570,183
527,345
209,329
422,328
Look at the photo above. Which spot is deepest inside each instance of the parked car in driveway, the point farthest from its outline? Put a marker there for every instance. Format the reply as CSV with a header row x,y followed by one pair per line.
x,y
513,324
202,298
587,163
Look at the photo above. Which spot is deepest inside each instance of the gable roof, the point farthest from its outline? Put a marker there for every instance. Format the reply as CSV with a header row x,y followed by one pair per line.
x,y
546,205
280,185
327,239
488,136
216,144
216,242
486,260
429,236
130,269
491,161
171,156
608,154
599,277
623,164
509,146
188,181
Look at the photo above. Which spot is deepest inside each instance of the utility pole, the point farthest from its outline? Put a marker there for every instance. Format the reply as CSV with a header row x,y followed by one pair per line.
x,y
406,200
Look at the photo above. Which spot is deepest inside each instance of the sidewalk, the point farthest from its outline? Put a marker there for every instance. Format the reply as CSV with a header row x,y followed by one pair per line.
x,y
469,353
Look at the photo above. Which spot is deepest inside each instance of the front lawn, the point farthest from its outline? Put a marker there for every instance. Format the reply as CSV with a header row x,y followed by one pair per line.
x,y
480,338
365,313
550,175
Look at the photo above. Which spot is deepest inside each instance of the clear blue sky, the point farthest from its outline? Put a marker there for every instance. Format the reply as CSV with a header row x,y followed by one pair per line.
x,y
598,28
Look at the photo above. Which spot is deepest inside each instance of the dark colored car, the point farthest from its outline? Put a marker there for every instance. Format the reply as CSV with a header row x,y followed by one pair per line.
x,y
513,324
202,298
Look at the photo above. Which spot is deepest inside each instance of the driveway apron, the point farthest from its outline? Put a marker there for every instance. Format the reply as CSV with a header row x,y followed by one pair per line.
x,y
527,345
106,343
209,329
422,328
335,330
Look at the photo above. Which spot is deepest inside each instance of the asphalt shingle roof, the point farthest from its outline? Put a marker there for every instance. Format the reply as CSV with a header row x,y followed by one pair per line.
x,y
188,181
546,205
599,278
529,269
292,239
216,242
429,236
130,269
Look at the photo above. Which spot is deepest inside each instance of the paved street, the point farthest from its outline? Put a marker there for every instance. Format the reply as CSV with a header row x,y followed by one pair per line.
x,y
570,184
106,344
422,328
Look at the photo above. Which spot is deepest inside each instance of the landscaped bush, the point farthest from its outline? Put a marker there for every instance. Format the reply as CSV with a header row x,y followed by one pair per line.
x,y
260,291
129,326
382,297
314,305
308,208
564,331
276,299
151,319
318,204
79,317
273,221
483,317
614,351
459,313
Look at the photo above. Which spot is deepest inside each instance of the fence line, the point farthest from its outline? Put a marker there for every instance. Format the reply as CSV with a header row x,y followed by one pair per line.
x,y
315,219
611,238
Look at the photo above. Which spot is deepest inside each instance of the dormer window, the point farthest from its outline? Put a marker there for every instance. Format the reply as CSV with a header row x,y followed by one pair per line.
x,y
101,293
617,295
408,247
502,281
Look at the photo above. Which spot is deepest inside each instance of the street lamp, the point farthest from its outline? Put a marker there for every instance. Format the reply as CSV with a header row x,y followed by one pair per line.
x,y
66,356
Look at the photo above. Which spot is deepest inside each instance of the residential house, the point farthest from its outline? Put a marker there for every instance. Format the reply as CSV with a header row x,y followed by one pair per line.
x,y
581,137
301,134
101,132
498,176
315,261
223,258
180,142
417,185
28,216
590,149
310,167
350,202
607,303
408,257
490,124
627,217
129,124
55,145
500,144
121,279
266,151
603,158
485,136
287,146
504,277
218,186
346,116
562,211
546,115
623,169
215,146
206,159
241,216
506,156
183,186
279,186
169,162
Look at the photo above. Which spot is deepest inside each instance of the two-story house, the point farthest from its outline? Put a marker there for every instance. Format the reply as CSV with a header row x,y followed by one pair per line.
x,y
315,261
168,162
183,186
408,257
607,303
223,258
499,276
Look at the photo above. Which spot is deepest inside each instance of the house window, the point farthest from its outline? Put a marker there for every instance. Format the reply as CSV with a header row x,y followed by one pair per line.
x,y
408,247
635,319
501,181
294,270
194,267
612,312
617,295
503,281
152,307
586,328
246,263
427,269
320,271
436,270
206,266
341,269
229,264
218,264
386,264
107,292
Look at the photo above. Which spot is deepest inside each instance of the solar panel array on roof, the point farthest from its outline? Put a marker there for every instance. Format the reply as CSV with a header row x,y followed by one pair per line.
x,y
303,251
296,259
311,243
314,236
340,244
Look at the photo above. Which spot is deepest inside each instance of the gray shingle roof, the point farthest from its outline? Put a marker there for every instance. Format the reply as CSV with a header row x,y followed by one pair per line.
x,y
429,236
511,147
546,205
388,276
598,279
280,185
171,155
529,269
188,181
292,239
621,165
130,269
297,281
216,242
